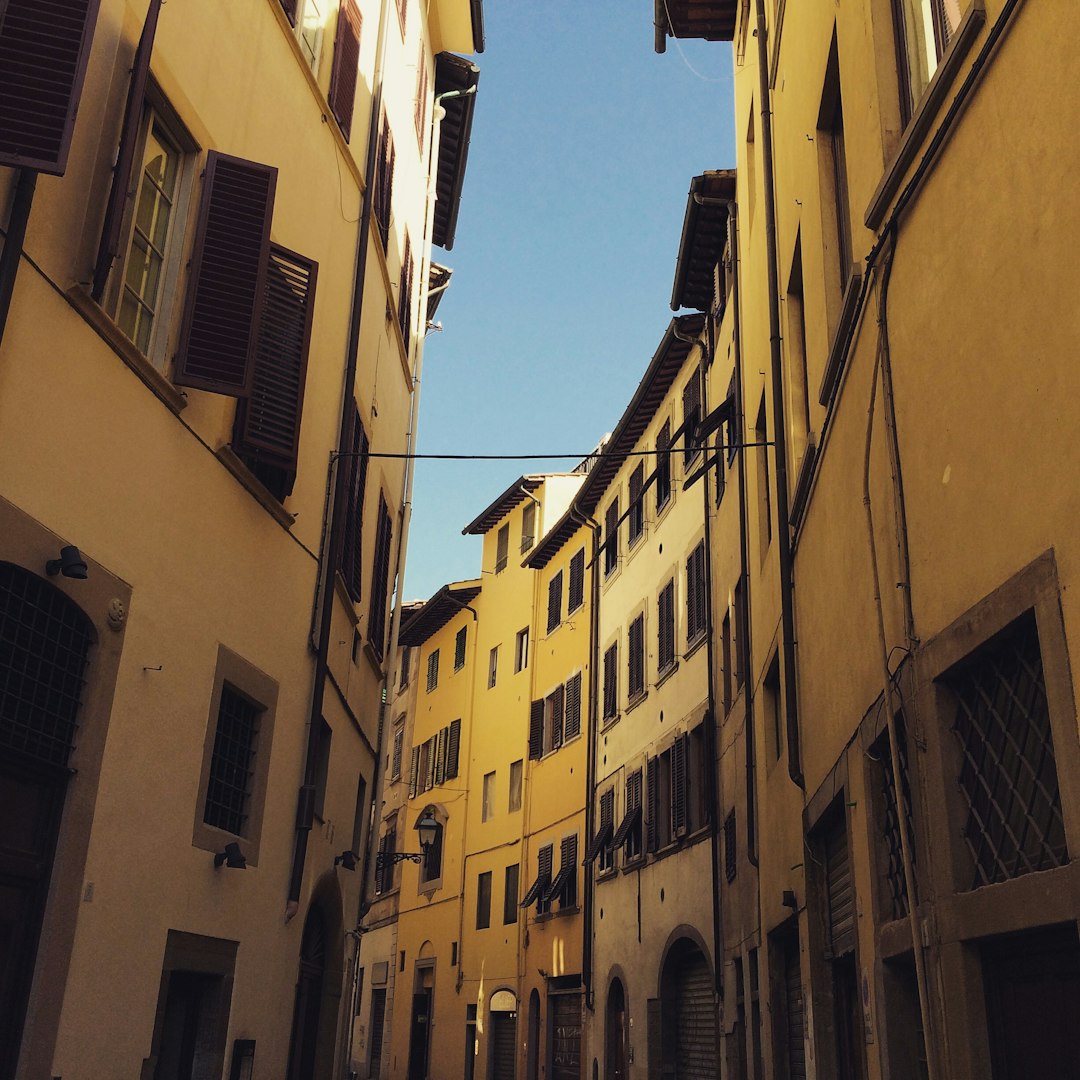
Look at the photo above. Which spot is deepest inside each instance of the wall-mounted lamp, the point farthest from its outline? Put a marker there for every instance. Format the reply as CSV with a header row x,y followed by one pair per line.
x,y
71,564
427,827
232,857
346,860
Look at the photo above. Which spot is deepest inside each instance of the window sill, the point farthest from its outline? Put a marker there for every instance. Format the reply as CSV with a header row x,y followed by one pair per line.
x,y
565,912
346,597
629,866
373,658
608,722
262,496
663,676
118,341
693,646
610,874
636,700
574,610
929,105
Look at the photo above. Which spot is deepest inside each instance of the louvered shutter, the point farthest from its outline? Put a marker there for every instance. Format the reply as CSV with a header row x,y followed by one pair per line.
x,y
405,285
342,93
666,626
440,756
125,156
44,46
554,602
431,762
840,892
453,747
268,422
611,681
691,415
399,740
637,505
636,659
227,282
577,581
355,466
572,727
558,702
380,576
611,537
652,781
544,860
384,182
414,771
536,730
695,593
663,465
679,754
289,7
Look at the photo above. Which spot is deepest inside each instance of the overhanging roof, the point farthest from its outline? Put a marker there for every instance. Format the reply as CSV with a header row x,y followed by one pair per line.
x,y
713,20
704,234
498,509
438,282
437,612
661,373
452,73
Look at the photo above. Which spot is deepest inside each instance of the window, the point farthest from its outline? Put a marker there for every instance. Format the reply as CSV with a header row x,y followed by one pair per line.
x,y
528,526
773,714
435,761
359,817
601,846
628,834
405,291
611,538
406,663
342,92
420,112
611,681
355,466
691,401
431,867
576,597
432,670
798,386
572,725
384,873
761,437
675,788
896,906
696,622
635,659
493,666
554,602
731,864
488,808
483,900
384,182
726,653
556,718
833,167
663,466
323,737
232,775
453,749
637,503
665,627
554,715
403,14
459,648
563,887
521,650
502,547
399,745
380,581
516,768
309,31
510,895
924,29
538,891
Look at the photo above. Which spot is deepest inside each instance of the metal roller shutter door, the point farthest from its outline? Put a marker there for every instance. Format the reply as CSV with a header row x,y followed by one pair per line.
x,y
796,1022
840,890
697,1054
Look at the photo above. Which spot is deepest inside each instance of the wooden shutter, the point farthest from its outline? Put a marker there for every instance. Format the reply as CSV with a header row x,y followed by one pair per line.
x,y
227,283
556,701
572,727
691,400
679,803
384,182
577,581
432,757
399,742
840,891
536,730
653,1018
453,748
666,626
268,422
636,659
342,93
379,580
122,180
554,602
440,756
611,681
414,771
695,593
420,112
44,47
652,794
663,465
405,286
611,537
637,505
355,467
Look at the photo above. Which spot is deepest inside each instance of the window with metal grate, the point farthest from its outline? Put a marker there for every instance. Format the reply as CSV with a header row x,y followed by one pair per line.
x,y
228,789
890,819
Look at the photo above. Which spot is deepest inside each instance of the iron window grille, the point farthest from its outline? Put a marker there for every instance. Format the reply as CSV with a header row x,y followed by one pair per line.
x,y
228,790
890,825
1008,774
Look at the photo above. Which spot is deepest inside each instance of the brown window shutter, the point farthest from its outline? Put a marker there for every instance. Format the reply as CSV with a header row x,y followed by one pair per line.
x,y
379,580
125,156
343,74
440,756
44,47
414,771
558,707
268,422
289,7
679,785
453,748
611,681
355,467
577,581
405,293
227,283
573,707
554,602
536,730
652,781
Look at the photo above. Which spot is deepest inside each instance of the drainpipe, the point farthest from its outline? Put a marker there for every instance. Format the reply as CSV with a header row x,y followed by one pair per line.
x,y
335,536
19,218
783,525
590,751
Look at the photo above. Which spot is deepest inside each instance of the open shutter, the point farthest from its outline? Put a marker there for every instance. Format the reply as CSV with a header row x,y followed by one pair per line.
x,y
342,94
44,47
840,890
227,284
268,422
558,706
379,580
414,771
125,156
577,581
440,756
554,602
536,730
289,7
653,807
355,466
453,749
572,727
431,745
679,751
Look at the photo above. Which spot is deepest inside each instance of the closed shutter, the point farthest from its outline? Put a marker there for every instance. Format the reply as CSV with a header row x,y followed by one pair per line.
x,y
796,1023
663,465
125,155
384,182
554,602
840,892
536,730
611,537
611,681
44,46
342,93
414,771
355,466
695,593
666,627
405,284
268,422
637,506
399,741
440,756
652,808
564,1017
577,581
636,660
503,1045
691,415
227,284
697,1052
679,778
572,727
453,746
380,580
429,781
557,701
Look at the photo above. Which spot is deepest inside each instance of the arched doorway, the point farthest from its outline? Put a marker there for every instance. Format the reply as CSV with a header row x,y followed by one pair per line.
x,y
309,993
532,1058
45,640
503,1044
615,1032
688,1013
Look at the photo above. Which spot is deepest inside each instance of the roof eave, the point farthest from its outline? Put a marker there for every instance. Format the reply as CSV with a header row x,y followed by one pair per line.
x,y
453,73
701,243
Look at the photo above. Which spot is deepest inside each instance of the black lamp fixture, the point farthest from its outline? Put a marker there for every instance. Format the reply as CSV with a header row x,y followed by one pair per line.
x,y
71,564
428,828
232,857
346,860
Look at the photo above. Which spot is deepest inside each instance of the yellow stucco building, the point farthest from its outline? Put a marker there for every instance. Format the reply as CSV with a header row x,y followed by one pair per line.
x,y
214,288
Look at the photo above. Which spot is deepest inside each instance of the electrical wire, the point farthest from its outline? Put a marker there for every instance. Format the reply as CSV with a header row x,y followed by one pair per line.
x,y
536,457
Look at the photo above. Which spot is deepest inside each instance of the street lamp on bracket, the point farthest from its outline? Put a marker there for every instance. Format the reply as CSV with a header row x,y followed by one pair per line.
x,y
428,828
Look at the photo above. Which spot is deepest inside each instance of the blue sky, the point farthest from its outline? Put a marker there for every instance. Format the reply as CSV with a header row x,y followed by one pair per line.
x,y
584,143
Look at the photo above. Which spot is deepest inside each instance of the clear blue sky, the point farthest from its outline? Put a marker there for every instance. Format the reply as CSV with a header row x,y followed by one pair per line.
x,y
584,143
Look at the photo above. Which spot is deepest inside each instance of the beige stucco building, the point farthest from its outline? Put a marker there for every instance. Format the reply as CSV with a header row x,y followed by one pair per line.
x,y
199,540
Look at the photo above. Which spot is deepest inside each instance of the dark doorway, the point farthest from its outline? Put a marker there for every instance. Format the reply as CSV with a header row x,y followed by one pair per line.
x,y
689,1029
307,1009
503,1045
1033,1004
375,1040
615,1033
420,1034
532,1058
185,1024
44,643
